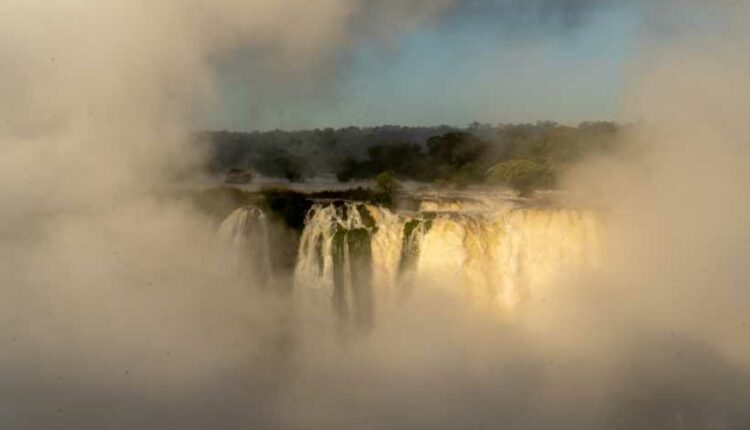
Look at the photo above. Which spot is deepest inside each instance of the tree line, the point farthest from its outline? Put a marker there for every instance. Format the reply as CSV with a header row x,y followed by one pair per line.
x,y
523,156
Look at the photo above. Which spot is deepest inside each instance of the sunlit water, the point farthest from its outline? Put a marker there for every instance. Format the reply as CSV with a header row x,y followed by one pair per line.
x,y
355,257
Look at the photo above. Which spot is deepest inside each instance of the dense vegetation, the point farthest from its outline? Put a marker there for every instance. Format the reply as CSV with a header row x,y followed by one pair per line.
x,y
524,156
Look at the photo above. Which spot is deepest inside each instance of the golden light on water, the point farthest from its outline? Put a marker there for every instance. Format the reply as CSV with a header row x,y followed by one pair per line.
x,y
496,258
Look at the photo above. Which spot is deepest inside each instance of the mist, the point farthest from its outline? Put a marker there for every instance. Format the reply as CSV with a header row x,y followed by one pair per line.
x,y
119,310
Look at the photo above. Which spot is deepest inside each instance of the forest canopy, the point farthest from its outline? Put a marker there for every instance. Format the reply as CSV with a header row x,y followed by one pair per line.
x,y
523,156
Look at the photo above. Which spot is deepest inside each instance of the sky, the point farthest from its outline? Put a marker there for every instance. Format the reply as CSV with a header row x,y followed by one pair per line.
x,y
492,61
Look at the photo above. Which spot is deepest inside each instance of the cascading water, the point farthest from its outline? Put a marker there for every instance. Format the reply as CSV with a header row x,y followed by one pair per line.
x,y
501,258
347,250
498,256
352,256
244,237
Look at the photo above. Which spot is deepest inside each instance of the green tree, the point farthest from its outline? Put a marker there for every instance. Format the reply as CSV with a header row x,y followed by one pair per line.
x,y
387,183
524,176
456,149
347,169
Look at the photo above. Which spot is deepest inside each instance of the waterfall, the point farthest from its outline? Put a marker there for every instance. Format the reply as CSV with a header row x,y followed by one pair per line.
x,y
244,237
346,251
498,256
352,256
502,258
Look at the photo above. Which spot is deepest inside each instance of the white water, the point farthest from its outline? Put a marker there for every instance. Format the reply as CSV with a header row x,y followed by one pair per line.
x,y
243,235
476,203
495,256
502,258
314,272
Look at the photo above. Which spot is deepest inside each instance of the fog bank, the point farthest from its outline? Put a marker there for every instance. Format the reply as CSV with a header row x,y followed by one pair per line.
x,y
118,310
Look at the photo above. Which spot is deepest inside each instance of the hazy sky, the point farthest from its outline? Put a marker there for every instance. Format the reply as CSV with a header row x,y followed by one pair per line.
x,y
485,60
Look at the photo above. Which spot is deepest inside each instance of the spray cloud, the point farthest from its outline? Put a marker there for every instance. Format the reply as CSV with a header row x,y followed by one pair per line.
x,y
116,313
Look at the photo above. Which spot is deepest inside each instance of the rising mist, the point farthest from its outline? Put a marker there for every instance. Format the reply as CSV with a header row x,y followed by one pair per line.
x,y
121,310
